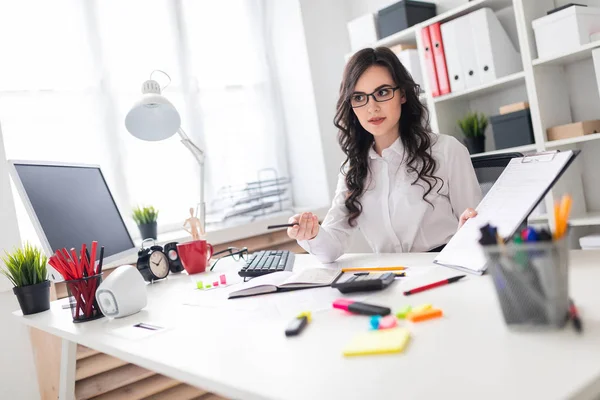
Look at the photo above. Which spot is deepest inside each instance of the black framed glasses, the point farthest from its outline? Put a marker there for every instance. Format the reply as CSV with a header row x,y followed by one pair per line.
x,y
234,252
359,99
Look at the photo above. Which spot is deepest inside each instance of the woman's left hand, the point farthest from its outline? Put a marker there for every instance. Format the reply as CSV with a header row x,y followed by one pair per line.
x,y
468,213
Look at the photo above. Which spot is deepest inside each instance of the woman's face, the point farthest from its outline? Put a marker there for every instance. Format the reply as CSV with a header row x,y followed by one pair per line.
x,y
378,118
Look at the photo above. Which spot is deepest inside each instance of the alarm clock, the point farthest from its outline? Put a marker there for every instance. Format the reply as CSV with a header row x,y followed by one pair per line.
x,y
122,293
175,264
152,262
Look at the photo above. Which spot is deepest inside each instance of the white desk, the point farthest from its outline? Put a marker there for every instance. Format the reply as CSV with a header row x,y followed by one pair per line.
x,y
469,353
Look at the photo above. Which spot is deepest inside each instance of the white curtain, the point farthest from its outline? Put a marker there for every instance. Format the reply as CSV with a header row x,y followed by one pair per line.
x,y
70,70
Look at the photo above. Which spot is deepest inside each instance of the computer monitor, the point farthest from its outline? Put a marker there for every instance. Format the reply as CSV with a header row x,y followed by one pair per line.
x,y
70,205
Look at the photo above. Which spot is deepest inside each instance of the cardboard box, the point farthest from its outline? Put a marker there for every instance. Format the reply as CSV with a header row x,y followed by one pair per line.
x,y
573,130
401,47
523,105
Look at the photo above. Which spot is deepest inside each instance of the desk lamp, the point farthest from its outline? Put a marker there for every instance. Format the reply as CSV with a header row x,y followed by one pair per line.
x,y
154,118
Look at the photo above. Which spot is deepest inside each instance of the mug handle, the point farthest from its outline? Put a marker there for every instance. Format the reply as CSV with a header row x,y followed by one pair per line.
x,y
210,254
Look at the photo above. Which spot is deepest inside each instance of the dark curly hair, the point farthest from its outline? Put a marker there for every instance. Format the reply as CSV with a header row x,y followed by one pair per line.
x,y
355,141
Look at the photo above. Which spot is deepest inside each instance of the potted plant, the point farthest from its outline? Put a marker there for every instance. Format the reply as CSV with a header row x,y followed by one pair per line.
x,y
473,127
145,218
26,269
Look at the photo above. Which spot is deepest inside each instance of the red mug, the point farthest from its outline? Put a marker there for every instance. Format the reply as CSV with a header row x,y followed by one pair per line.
x,y
195,255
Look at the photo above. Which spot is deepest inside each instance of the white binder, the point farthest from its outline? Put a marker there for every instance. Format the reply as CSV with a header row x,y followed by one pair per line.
x,y
521,186
495,53
478,50
452,53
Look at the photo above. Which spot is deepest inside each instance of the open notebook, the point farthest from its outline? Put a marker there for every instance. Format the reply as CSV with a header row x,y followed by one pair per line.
x,y
287,280
521,186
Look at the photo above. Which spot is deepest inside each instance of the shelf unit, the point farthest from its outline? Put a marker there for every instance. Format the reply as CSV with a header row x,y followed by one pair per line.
x,y
560,89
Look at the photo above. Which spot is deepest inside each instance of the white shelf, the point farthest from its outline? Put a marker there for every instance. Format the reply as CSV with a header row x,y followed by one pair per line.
x,y
505,82
589,219
565,58
578,139
518,149
409,35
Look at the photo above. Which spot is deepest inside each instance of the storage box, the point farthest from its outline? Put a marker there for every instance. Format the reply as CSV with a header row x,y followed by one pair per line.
x,y
362,32
565,30
573,130
402,15
512,130
401,47
410,60
514,107
590,242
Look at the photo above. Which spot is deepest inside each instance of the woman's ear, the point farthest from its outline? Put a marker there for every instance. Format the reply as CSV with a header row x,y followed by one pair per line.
x,y
402,97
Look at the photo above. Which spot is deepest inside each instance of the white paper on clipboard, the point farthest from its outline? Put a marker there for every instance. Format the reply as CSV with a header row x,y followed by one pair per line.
x,y
509,202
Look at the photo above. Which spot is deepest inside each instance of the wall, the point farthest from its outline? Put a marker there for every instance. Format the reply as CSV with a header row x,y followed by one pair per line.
x,y
17,371
290,58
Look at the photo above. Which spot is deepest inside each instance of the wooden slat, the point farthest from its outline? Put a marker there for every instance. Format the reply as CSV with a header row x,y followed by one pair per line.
x,y
210,396
95,365
85,352
141,389
179,392
46,353
110,380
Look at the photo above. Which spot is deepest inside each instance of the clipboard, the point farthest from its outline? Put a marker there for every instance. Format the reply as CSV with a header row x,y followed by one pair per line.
x,y
515,194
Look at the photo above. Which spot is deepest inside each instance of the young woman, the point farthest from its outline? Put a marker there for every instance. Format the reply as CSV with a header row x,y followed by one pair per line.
x,y
406,188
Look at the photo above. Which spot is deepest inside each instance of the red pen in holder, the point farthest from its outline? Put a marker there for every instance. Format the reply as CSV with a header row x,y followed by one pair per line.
x,y
82,277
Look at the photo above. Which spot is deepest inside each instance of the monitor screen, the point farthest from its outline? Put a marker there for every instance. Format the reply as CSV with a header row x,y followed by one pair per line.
x,y
73,205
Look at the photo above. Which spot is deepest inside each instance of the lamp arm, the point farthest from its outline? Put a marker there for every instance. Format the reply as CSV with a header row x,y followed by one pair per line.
x,y
199,156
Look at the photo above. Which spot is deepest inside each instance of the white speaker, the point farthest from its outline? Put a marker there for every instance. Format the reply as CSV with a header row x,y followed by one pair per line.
x,y
123,293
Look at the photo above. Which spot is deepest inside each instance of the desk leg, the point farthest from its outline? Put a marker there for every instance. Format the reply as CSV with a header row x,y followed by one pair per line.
x,y
68,360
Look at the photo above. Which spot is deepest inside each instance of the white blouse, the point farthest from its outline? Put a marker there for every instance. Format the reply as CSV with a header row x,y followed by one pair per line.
x,y
395,218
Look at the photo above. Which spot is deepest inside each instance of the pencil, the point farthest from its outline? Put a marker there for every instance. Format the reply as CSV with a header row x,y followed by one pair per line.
x,y
398,268
282,225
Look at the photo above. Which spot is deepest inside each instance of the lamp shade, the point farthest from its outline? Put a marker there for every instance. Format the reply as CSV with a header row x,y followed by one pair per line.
x,y
152,118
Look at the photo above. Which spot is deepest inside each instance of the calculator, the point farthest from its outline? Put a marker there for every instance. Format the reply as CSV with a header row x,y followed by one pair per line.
x,y
363,281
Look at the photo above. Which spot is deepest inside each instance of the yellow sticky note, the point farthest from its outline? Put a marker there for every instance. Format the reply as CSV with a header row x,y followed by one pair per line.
x,y
378,342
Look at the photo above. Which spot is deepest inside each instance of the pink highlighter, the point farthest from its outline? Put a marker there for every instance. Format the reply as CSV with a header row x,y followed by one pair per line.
x,y
357,307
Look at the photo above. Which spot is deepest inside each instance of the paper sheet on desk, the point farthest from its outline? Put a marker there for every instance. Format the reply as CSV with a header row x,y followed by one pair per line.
x,y
508,203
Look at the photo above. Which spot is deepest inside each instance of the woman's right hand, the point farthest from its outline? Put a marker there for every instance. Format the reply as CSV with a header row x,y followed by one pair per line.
x,y
307,228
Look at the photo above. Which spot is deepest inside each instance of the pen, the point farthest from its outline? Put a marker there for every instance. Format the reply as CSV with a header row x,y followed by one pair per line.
x,y
574,314
398,268
282,225
434,285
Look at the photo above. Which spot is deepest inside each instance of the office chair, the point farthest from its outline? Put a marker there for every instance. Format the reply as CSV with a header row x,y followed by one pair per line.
x,y
489,168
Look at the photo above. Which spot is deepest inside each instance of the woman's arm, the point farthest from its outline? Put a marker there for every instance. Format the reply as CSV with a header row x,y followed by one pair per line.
x,y
332,237
464,189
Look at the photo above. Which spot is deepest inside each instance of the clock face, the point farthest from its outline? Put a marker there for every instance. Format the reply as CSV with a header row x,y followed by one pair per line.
x,y
159,265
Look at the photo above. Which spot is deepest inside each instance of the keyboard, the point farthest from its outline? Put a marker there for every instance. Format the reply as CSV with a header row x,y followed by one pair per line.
x,y
265,262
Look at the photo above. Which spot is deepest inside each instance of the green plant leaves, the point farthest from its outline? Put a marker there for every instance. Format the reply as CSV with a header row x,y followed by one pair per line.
x,y
473,124
25,266
144,215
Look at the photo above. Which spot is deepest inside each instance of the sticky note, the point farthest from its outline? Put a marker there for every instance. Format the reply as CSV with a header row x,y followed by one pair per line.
x,y
199,285
403,311
422,307
388,322
424,315
378,342
223,279
216,283
374,321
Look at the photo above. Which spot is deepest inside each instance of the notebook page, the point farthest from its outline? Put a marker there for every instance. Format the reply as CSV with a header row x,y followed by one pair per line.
x,y
312,277
506,205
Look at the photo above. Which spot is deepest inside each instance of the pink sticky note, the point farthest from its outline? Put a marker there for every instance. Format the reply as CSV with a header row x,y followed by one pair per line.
x,y
223,280
388,322
216,283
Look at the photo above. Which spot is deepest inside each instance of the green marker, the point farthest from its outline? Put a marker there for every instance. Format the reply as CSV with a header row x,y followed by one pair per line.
x,y
208,286
403,312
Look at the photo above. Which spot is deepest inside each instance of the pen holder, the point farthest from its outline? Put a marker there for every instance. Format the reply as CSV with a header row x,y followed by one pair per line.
x,y
532,282
82,298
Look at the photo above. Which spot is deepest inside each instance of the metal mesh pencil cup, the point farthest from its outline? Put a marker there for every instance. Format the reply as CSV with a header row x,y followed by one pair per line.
x,y
532,282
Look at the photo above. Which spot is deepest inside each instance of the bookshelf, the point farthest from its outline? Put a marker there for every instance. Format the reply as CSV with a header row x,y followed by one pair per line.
x,y
560,89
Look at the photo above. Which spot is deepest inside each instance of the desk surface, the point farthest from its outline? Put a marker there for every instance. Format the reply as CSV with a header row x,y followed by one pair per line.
x,y
241,351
